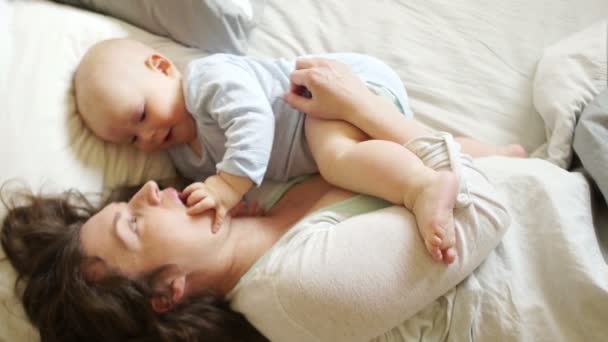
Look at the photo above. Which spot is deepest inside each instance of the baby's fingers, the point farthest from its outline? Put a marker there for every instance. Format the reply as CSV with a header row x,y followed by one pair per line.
x,y
220,213
202,206
196,196
191,188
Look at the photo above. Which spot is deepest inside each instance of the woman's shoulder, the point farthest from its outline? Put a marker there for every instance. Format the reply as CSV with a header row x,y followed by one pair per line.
x,y
270,292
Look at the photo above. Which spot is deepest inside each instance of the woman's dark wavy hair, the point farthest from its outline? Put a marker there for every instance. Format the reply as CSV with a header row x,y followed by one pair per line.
x,y
41,238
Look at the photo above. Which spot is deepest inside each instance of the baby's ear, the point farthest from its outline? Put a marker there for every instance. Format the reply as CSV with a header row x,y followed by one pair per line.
x,y
168,289
160,63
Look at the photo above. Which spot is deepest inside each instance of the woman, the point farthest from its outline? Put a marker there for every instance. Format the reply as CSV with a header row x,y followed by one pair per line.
x,y
316,267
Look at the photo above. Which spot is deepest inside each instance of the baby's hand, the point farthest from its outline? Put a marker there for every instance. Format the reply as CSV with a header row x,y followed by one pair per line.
x,y
204,196
199,198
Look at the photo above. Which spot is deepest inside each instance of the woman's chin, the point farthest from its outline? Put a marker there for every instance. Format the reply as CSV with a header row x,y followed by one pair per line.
x,y
205,221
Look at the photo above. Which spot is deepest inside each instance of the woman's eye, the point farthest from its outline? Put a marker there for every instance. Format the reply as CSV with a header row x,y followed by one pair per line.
x,y
133,224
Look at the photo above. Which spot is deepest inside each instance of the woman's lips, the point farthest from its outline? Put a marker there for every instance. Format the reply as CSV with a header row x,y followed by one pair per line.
x,y
175,194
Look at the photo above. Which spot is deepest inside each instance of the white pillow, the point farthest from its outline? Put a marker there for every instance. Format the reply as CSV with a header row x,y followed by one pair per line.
x,y
43,142
42,139
211,25
568,76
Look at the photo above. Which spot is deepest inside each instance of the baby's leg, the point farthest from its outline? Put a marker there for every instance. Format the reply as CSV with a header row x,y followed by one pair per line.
x,y
388,170
476,148
387,123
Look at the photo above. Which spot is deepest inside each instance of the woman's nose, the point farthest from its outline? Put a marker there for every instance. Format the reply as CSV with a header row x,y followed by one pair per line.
x,y
148,194
153,192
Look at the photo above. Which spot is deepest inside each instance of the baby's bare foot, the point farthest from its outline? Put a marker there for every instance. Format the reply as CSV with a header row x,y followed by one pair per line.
x,y
434,211
512,150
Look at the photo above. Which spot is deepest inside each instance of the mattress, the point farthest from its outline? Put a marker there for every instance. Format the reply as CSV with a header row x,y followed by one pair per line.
x,y
469,68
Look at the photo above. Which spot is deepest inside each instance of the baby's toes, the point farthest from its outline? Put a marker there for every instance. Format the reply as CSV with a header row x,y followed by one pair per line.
x,y
434,250
448,238
435,241
448,255
438,231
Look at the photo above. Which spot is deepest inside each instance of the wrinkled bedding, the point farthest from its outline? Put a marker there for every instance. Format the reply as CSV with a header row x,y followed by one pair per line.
x,y
591,141
469,68
570,74
548,280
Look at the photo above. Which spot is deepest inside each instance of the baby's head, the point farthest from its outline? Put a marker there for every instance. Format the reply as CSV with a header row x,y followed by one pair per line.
x,y
128,93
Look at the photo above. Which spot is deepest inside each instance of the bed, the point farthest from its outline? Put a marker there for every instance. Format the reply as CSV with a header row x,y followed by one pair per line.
x,y
500,71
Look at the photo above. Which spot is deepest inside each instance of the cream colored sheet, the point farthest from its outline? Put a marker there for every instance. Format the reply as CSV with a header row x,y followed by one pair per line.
x,y
546,281
468,66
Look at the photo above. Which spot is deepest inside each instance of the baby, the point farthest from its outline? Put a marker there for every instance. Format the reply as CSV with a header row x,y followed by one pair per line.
x,y
224,122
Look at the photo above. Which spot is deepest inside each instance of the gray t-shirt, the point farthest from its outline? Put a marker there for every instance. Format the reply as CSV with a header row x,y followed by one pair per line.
x,y
244,126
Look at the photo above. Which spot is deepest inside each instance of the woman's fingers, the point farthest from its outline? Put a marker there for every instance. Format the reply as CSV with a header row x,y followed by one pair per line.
x,y
300,78
309,62
325,88
298,102
301,90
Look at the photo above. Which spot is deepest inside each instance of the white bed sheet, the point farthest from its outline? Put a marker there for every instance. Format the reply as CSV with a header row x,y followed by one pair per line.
x,y
547,280
468,66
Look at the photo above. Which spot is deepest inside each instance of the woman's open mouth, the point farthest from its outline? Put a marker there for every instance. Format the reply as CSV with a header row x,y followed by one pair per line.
x,y
176,195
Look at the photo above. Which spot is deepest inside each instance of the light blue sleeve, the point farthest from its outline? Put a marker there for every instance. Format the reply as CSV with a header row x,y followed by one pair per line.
x,y
233,97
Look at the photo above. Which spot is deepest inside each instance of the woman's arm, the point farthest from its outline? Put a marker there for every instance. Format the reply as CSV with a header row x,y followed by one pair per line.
x,y
337,93
356,279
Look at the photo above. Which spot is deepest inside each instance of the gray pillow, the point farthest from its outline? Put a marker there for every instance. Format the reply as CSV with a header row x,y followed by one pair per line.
x,y
210,25
591,141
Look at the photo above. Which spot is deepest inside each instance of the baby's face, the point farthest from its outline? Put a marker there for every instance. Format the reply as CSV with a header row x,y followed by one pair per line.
x,y
152,115
140,104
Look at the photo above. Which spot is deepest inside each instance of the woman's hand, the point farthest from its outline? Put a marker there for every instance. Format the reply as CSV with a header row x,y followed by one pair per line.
x,y
334,89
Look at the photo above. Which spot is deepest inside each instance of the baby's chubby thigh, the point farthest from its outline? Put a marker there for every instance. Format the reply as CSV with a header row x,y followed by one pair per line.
x,y
328,140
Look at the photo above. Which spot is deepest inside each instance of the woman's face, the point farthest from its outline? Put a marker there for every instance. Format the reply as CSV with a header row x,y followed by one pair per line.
x,y
151,231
